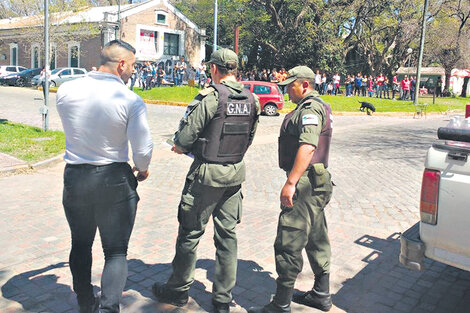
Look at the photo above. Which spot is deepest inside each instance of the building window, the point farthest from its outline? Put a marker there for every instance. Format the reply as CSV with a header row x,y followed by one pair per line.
x,y
160,17
171,44
35,56
74,55
53,59
13,54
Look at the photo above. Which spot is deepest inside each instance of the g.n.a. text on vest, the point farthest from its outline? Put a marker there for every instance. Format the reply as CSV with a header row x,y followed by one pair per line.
x,y
238,108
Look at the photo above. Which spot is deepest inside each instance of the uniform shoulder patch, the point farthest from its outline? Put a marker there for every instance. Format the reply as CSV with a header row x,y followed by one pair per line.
x,y
204,92
309,119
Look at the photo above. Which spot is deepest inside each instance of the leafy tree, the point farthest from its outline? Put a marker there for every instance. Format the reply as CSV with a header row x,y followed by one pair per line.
x,y
447,41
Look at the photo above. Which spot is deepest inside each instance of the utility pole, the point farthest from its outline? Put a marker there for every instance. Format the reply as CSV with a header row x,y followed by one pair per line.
x,y
215,26
421,49
45,109
117,27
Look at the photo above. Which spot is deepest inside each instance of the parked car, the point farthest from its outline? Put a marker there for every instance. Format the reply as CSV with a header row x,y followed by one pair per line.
x,y
9,69
63,74
270,96
443,230
36,80
20,79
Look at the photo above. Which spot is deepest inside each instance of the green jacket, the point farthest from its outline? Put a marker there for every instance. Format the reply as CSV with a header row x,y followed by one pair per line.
x,y
200,112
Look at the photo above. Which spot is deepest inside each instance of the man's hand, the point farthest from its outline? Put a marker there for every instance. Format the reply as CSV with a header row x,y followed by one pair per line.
x,y
141,175
287,193
177,150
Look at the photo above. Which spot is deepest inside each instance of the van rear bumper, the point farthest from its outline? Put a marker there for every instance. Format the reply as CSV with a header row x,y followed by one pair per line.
x,y
412,249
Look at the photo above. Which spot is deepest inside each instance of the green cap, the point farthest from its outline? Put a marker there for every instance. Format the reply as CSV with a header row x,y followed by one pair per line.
x,y
296,73
223,56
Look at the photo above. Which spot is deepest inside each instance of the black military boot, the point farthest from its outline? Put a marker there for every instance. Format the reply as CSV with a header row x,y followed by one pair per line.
x,y
319,297
220,307
165,295
280,303
90,307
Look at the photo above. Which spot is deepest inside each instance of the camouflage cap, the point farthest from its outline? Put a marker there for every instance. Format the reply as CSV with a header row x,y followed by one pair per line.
x,y
224,56
296,73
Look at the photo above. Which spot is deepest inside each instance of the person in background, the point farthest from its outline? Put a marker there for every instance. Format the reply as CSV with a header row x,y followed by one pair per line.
x,y
364,85
202,74
412,88
324,84
336,81
318,82
380,82
405,86
358,84
182,66
395,87
160,75
347,84
273,76
370,83
386,88
175,75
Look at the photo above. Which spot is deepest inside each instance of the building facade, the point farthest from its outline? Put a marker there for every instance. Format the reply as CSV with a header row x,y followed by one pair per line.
x,y
158,31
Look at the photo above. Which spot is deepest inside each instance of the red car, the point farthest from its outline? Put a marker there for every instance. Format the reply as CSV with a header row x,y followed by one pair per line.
x,y
270,97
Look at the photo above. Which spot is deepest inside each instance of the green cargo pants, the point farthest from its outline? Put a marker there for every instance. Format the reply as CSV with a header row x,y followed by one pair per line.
x,y
198,203
304,226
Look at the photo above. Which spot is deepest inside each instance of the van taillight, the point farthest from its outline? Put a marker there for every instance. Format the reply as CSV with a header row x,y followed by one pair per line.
x,y
429,196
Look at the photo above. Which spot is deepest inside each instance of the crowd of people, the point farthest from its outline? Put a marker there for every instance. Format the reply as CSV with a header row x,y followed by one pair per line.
x,y
149,75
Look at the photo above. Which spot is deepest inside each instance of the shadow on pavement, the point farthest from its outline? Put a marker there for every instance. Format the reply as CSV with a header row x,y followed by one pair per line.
x,y
385,286
37,291
254,286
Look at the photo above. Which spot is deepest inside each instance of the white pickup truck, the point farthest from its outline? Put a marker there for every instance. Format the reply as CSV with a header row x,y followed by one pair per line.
x,y
443,233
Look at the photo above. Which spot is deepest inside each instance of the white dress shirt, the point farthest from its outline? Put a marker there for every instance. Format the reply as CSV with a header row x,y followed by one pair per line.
x,y
100,115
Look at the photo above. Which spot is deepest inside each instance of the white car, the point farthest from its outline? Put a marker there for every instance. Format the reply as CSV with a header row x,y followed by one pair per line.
x,y
10,69
443,232
61,75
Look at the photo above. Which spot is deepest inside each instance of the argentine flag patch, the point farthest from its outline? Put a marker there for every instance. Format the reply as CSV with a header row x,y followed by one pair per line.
x,y
309,119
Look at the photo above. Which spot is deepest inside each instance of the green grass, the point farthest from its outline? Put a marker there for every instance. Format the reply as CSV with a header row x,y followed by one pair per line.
x,y
175,94
351,104
29,143
339,103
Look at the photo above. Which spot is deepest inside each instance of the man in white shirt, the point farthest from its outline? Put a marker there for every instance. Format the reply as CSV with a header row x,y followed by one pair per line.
x,y
318,81
100,115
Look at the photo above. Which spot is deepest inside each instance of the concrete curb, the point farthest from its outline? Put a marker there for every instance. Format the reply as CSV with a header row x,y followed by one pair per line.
x,y
50,90
24,167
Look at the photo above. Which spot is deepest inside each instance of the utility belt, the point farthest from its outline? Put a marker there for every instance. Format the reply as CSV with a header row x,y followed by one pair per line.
x,y
319,177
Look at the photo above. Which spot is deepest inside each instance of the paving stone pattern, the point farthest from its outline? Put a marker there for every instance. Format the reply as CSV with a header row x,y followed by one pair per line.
x,y
376,163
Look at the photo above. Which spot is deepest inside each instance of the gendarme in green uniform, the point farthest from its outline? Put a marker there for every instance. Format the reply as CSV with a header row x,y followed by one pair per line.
x,y
211,188
303,153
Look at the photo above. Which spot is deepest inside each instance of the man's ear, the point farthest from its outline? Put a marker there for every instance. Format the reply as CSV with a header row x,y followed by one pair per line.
x,y
305,85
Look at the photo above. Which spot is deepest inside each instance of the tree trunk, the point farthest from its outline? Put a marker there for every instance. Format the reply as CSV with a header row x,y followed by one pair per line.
x,y
446,88
464,87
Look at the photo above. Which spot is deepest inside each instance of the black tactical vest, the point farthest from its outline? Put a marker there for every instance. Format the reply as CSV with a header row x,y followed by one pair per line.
x,y
227,136
289,144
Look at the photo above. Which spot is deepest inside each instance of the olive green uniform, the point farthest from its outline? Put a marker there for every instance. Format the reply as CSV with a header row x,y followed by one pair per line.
x,y
304,225
210,189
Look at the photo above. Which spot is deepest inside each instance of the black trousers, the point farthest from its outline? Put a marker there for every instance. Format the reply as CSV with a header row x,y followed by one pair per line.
x,y
102,197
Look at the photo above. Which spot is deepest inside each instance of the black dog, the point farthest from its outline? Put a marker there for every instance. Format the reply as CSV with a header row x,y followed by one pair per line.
x,y
366,105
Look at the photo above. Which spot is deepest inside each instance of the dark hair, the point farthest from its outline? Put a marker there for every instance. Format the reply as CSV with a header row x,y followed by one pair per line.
x,y
105,59
229,68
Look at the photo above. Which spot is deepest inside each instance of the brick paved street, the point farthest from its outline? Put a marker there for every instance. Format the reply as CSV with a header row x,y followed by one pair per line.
x,y
376,163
